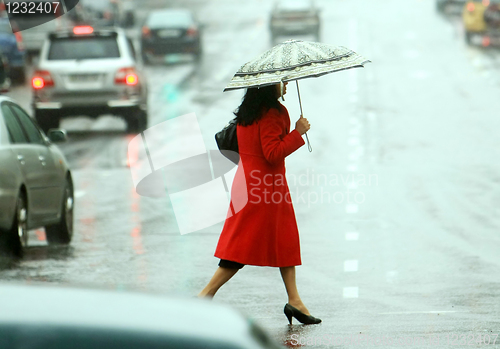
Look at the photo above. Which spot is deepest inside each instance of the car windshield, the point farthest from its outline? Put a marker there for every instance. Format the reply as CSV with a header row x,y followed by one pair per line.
x,y
170,19
83,48
294,5
100,5
5,28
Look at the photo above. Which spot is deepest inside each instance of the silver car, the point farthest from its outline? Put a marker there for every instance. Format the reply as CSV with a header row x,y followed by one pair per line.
x,y
89,72
41,317
36,188
295,17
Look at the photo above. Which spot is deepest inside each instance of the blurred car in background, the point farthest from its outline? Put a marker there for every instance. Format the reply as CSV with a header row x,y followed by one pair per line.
x,y
450,6
170,31
39,24
41,317
294,17
4,73
110,13
36,188
89,72
13,48
481,21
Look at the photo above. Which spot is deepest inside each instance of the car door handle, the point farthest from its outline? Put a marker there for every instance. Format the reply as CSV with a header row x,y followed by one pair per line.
x,y
42,160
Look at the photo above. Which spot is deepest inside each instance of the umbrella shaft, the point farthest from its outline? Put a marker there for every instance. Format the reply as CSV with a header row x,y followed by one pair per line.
x,y
300,102
302,114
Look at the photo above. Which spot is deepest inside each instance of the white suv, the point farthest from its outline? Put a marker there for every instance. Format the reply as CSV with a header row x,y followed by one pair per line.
x,y
89,72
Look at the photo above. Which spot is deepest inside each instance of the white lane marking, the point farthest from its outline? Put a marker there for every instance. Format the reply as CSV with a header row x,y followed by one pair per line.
x,y
352,168
371,115
391,276
355,121
353,31
354,132
351,236
79,194
351,265
353,141
353,82
351,208
423,312
350,292
411,54
411,35
420,75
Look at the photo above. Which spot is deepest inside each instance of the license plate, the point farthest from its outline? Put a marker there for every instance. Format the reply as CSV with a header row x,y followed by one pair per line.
x,y
169,33
84,77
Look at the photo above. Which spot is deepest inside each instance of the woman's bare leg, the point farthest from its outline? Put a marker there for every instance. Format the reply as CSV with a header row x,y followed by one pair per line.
x,y
221,276
288,275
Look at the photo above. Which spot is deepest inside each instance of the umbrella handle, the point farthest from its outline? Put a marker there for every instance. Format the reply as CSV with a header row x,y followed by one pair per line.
x,y
301,113
308,144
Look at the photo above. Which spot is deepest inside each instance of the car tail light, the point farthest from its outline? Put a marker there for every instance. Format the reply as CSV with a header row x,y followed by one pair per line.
x,y
471,7
83,30
486,41
193,31
41,79
126,76
19,41
146,32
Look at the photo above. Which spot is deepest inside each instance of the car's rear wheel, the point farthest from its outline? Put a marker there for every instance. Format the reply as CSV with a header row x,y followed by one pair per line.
x,y
145,59
14,240
468,38
47,119
137,121
19,76
62,232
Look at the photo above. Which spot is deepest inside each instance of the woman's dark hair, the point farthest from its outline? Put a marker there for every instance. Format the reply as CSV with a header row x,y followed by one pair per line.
x,y
255,102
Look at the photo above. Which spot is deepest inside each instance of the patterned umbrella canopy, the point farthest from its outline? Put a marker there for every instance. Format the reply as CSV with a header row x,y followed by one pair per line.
x,y
294,60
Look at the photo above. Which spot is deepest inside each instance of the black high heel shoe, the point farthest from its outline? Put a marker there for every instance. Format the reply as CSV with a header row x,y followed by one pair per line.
x,y
300,316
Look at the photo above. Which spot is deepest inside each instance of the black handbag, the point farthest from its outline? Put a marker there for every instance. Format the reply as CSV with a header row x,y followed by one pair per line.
x,y
227,141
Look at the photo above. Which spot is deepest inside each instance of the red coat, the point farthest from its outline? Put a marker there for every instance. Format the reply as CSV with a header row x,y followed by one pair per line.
x,y
264,232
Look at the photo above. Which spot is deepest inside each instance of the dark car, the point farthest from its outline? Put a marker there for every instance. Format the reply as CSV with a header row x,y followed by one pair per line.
x,y
13,48
4,73
450,6
295,17
42,317
109,12
36,189
170,31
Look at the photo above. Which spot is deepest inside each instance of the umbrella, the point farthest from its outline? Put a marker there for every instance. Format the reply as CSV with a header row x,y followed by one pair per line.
x,y
294,60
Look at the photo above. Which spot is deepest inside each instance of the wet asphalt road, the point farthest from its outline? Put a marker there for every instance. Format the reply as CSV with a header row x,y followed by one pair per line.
x,y
398,205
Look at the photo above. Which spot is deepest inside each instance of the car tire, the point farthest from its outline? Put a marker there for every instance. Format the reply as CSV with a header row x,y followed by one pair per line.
x,y
19,76
440,6
468,38
317,36
198,55
137,121
62,232
273,40
46,120
14,240
145,59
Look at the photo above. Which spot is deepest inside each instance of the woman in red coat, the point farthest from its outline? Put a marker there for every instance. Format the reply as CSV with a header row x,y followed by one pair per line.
x,y
263,231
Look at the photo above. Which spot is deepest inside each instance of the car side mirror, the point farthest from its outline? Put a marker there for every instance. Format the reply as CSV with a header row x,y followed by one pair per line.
x,y
57,135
